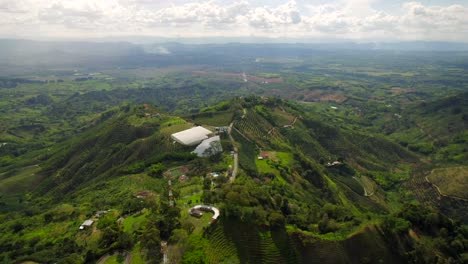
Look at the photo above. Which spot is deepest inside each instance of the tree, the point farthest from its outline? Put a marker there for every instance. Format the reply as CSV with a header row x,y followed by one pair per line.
x,y
178,236
214,151
195,250
276,220
151,241
156,170
395,225
188,226
206,184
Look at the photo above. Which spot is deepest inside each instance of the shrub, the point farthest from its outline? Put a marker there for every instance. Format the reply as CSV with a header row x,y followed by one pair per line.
x,y
156,170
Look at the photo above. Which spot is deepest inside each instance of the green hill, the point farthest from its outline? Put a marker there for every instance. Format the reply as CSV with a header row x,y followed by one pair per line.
x,y
319,193
438,129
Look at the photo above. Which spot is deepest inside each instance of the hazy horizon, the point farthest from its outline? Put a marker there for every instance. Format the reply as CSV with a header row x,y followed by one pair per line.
x,y
277,21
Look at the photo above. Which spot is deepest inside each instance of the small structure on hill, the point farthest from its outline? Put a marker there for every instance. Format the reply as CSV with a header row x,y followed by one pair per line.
x,y
196,213
86,223
213,175
120,220
198,209
142,194
334,164
192,136
100,213
264,155
183,178
209,147
223,129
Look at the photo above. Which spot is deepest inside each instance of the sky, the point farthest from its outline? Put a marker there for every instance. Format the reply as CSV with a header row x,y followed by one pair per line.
x,y
360,20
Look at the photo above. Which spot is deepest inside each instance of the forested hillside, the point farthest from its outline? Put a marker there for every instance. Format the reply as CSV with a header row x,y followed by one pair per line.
x,y
327,156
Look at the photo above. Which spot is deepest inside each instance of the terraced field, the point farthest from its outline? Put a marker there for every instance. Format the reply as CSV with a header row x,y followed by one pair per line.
x,y
214,119
367,246
222,249
22,180
451,181
255,127
250,245
282,118
422,190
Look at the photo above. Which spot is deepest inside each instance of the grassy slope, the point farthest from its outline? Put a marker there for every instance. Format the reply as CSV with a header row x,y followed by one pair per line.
x,y
260,246
368,246
437,128
451,181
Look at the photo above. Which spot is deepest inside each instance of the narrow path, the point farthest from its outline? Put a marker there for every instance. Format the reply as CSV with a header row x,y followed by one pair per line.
x,y
294,122
365,191
236,157
164,251
444,195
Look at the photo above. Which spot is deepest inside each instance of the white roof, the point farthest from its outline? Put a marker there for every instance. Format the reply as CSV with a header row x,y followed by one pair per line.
x,y
191,136
88,222
208,208
206,144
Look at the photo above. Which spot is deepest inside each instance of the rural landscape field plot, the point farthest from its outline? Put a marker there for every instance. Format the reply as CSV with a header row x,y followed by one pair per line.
x,y
325,150
451,181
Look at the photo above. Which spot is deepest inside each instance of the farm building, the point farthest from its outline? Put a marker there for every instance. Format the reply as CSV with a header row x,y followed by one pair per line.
x,y
333,164
86,224
192,136
209,147
196,213
223,129
100,213
198,209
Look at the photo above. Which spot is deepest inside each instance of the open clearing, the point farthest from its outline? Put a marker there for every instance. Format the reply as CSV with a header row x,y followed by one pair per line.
x,y
22,180
451,181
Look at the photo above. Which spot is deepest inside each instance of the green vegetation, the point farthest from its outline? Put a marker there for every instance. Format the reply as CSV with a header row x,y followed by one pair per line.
x,y
343,180
451,181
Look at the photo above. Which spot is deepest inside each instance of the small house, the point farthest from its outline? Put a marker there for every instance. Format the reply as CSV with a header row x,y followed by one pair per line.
x,y
86,224
100,213
222,129
183,178
196,213
333,164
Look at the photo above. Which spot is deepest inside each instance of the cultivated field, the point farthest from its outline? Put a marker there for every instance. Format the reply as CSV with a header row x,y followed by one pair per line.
x,y
451,181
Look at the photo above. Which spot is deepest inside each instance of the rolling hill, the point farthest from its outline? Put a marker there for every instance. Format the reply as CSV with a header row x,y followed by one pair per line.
x,y
319,193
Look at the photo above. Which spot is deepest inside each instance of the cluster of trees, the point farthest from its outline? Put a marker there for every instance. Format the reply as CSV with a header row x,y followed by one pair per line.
x,y
449,242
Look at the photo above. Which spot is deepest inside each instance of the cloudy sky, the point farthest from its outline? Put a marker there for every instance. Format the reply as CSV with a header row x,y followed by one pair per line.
x,y
368,20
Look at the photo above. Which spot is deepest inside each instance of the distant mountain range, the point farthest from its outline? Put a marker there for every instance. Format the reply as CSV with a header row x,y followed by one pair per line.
x,y
15,54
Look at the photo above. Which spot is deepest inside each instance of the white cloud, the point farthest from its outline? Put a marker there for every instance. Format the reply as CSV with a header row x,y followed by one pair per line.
x,y
338,19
